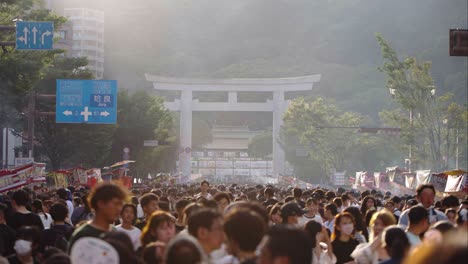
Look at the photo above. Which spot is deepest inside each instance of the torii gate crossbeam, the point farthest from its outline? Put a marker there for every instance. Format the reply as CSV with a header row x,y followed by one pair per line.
x,y
186,105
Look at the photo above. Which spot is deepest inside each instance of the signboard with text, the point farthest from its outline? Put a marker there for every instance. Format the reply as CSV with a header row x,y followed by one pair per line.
x,y
86,101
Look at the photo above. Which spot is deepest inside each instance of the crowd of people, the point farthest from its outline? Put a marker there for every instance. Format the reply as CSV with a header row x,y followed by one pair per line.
x,y
227,224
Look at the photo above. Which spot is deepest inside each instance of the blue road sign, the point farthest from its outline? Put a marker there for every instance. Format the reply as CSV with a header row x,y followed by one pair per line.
x,y
34,35
86,101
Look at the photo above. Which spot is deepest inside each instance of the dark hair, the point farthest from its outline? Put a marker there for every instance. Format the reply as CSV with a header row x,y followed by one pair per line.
x,y
313,228
246,228
129,205
21,197
182,251
58,258
149,253
287,241
450,201
202,218
332,208
364,204
164,206
59,212
134,200
105,192
268,191
421,188
157,219
417,214
330,195
3,209
221,195
297,192
123,245
62,193
338,201
311,201
205,181
396,199
37,206
354,211
345,197
148,198
443,226
396,242
29,233
181,204
337,233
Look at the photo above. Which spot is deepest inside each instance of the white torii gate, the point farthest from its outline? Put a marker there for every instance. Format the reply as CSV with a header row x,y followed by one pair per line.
x,y
186,105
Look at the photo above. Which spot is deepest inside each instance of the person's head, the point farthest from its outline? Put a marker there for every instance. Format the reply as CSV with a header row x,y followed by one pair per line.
x,y
451,215
312,205
316,232
268,192
36,206
183,250
426,194
62,194
354,211
290,213
149,203
297,193
418,218
344,226
123,245
285,244
160,227
189,209
204,186
389,205
346,200
395,241
244,230
20,198
462,217
180,206
450,201
275,214
107,200
223,200
330,211
27,241
129,213
379,221
207,226
368,203
329,196
59,212
338,202
397,202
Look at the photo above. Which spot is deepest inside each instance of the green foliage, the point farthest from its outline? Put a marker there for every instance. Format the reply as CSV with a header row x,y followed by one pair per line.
x,y
142,117
261,146
413,88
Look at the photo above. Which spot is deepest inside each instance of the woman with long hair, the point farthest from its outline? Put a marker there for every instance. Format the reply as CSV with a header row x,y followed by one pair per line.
x,y
368,203
319,234
37,208
374,252
361,233
160,227
343,240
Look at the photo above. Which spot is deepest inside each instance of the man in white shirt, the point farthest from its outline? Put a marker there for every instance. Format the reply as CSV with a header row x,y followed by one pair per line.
x,y
204,186
425,196
311,213
418,224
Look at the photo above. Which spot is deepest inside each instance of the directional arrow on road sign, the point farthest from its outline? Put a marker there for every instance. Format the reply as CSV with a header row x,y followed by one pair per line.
x,y
67,113
34,31
105,113
47,33
33,35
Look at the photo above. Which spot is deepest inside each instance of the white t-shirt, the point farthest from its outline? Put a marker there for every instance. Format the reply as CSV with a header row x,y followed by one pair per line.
x,y
70,208
134,235
304,219
140,212
46,221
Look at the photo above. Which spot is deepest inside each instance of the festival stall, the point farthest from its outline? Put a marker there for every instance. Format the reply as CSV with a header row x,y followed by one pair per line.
x,y
31,175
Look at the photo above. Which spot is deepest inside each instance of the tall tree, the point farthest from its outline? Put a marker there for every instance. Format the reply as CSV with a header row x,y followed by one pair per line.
x,y
412,86
143,117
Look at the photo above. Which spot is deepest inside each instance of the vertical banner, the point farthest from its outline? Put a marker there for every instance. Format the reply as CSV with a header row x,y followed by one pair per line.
x,y
456,183
422,177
